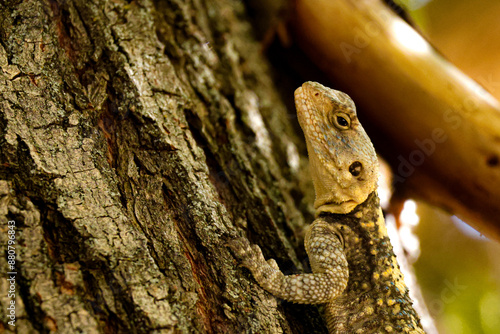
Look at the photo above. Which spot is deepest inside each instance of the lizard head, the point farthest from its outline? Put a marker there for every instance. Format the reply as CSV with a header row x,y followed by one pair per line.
x,y
342,159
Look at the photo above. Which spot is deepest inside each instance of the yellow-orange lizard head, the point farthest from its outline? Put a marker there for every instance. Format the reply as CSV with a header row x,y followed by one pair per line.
x,y
342,159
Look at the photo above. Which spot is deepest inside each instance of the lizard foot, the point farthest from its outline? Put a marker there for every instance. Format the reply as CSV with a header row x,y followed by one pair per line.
x,y
249,255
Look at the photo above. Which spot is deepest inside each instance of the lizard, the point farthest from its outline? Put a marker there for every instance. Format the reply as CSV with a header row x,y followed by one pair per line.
x,y
354,269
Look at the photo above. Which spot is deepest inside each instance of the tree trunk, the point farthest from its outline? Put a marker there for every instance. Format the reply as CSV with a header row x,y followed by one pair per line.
x,y
136,139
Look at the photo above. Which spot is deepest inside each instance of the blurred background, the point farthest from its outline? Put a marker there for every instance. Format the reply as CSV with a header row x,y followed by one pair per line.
x,y
465,32
458,269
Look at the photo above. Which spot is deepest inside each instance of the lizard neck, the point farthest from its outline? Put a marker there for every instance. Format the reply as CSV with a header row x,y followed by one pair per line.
x,y
367,216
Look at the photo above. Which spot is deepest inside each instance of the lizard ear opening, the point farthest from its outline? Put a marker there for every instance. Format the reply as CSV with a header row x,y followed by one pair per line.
x,y
356,168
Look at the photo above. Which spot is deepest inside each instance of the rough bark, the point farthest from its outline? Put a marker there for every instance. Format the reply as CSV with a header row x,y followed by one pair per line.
x,y
136,139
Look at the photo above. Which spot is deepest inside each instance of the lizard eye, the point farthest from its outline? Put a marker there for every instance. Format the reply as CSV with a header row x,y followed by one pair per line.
x,y
341,121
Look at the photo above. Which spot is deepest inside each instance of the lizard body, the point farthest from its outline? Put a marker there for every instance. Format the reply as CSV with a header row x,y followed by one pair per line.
x,y
354,270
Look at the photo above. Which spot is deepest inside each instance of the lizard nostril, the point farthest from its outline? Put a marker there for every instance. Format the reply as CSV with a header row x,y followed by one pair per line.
x,y
356,168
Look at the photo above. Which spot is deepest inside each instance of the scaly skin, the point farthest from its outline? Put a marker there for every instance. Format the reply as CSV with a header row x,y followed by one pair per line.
x,y
354,269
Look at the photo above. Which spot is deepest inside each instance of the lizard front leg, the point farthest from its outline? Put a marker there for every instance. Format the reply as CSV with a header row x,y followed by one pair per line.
x,y
330,268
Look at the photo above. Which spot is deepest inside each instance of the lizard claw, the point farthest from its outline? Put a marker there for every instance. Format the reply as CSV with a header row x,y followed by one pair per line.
x,y
240,247
248,254
272,263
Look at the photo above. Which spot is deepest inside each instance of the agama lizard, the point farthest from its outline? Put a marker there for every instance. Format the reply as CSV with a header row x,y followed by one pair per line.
x,y
354,269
